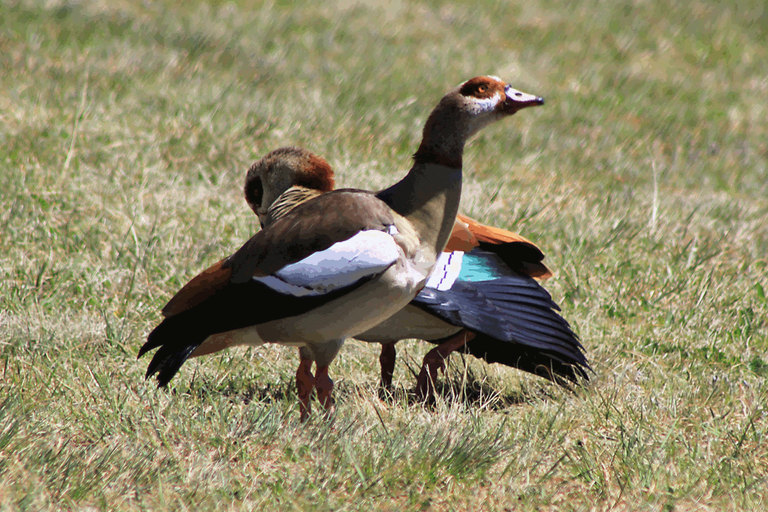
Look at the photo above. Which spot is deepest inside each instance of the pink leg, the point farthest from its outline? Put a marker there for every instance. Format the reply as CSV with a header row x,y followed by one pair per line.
x,y
324,386
387,361
305,383
435,360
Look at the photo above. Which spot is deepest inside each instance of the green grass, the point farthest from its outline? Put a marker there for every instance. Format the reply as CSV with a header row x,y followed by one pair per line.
x,y
125,132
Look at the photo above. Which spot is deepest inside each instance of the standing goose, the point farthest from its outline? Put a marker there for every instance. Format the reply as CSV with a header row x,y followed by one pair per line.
x,y
339,264
481,292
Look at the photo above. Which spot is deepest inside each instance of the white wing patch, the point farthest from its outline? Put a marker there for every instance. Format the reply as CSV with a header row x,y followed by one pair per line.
x,y
446,271
342,264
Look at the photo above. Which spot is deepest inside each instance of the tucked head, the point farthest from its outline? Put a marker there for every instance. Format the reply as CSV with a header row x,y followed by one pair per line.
x,y
280,170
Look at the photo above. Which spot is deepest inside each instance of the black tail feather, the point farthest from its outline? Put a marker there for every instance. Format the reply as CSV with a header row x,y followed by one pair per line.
x,y
232,307
176,342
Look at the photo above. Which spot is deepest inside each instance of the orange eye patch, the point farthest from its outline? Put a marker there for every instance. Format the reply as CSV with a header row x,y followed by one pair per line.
x,y
480,87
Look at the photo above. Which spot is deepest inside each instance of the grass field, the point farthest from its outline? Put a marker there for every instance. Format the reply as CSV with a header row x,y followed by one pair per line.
x,y
126,129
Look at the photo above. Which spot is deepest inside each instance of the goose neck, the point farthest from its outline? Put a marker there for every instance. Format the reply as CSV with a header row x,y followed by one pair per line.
x,y
428,197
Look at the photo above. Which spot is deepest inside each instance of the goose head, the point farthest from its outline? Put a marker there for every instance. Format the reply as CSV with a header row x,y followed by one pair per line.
x,y
280,170
464,111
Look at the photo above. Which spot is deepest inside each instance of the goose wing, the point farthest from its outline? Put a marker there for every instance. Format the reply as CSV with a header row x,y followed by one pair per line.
x,y
308,258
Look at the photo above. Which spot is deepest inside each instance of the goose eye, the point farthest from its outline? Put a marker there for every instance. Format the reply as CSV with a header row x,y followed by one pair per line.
x,y
254,193
481,89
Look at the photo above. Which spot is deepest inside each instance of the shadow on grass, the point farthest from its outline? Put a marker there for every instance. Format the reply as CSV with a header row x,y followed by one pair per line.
x,y
466,388
461,385
243,392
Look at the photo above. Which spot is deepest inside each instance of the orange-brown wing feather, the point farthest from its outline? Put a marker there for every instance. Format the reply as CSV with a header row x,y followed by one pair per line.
x,y
202,286
496,236
491,235
461,239
536,270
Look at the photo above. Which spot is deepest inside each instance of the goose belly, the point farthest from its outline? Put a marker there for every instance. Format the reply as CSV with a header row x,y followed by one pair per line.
x,y
410,322
349,315
224,340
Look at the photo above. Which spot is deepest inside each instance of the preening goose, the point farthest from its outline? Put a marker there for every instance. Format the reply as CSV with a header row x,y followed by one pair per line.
x,y
339,264
481,292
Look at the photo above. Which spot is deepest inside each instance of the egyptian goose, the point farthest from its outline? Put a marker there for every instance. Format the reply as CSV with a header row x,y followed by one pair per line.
x,y
481,292
339,264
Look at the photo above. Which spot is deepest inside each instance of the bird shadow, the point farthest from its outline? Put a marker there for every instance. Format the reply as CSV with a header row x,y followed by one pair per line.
x,y
461,385
469,390
238,391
